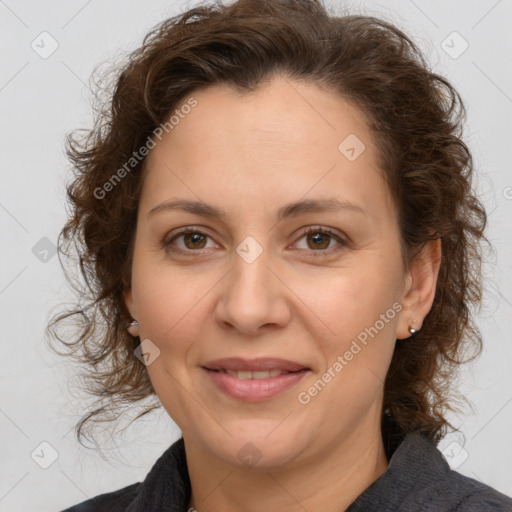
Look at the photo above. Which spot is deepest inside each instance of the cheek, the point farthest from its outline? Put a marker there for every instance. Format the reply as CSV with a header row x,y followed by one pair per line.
x,y
360,309
171,311
353,300
361,313
168,302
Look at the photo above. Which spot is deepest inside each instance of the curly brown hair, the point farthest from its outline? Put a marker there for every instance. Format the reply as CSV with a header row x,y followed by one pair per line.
x,y
416,117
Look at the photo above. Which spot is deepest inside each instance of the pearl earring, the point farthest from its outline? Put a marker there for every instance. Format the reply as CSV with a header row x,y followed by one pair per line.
x,y
412,330
133,328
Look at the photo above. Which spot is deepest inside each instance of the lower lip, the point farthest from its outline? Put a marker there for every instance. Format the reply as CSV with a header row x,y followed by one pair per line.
x,y
254,390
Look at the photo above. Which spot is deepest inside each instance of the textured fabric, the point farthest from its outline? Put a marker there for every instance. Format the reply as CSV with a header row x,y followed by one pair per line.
x,y
418,479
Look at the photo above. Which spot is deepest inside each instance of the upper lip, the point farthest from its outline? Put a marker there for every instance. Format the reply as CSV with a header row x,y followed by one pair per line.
x,y
258,364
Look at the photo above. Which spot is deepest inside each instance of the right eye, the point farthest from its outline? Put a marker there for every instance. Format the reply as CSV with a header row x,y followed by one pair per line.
x,y
192,241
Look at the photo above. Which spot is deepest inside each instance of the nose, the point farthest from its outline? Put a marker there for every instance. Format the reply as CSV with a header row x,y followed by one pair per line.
x,y
254,298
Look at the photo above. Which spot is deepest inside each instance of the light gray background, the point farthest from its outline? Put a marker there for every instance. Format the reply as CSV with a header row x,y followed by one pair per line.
x,y
42,99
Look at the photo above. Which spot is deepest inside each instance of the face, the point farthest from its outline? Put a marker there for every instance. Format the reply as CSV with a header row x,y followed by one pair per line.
x,y
252,284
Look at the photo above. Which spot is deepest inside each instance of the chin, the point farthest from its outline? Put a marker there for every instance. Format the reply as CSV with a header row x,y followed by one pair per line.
x,y
259,448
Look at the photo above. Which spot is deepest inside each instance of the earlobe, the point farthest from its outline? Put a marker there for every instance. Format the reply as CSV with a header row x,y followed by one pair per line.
x,y
133,326
420,289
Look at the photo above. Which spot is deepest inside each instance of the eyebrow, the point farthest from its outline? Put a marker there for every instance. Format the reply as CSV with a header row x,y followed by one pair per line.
x,y
288,210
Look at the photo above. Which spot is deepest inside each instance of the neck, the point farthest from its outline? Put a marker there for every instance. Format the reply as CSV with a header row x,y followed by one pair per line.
x,y
331,482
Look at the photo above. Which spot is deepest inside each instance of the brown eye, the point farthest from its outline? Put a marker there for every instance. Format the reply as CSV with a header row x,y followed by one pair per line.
x,y
195,239
188,240
318,241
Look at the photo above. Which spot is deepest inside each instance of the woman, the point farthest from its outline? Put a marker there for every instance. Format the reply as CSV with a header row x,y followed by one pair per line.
x,y
275,219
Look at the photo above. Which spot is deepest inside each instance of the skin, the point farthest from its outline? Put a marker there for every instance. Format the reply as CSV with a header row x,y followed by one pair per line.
x,y
249,154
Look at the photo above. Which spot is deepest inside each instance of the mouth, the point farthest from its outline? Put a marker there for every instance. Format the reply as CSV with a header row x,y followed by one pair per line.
x,y
254,380
260,374
258,368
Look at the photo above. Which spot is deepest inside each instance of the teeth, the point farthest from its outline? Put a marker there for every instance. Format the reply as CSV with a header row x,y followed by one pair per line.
x,y
265,374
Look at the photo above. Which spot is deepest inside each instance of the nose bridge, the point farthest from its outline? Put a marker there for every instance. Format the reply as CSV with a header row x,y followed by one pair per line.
x,y
252,294
250,276
251,265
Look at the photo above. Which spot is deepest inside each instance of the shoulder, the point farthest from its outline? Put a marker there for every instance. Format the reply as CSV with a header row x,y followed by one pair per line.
x,y
439,488
469,495
115,501
167,480
419,478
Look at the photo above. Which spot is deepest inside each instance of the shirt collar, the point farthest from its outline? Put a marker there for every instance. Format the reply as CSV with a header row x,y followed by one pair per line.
x,y
414,463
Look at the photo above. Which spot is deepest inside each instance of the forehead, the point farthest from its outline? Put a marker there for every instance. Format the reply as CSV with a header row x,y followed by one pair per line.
x,y
281,142
279,111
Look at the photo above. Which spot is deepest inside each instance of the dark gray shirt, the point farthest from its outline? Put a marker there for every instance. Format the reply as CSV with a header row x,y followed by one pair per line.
x,y
418,479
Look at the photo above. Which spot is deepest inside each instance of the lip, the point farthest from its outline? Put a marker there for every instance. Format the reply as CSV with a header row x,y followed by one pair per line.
x,y
254,390
254,365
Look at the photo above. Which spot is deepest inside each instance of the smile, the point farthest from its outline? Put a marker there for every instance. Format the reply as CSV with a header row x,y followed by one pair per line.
x,y
254,386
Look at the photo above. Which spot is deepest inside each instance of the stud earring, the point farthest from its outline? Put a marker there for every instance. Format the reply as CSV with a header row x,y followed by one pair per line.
x,y
412,330
133,328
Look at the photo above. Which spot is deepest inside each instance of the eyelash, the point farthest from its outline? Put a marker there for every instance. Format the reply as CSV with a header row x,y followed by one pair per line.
x,y
322,253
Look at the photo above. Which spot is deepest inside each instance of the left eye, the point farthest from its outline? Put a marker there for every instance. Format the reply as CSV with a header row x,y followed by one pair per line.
x,y
321,239
317,239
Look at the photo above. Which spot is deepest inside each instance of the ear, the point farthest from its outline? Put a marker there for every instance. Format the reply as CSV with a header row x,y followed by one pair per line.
x,y
128,300
419,288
